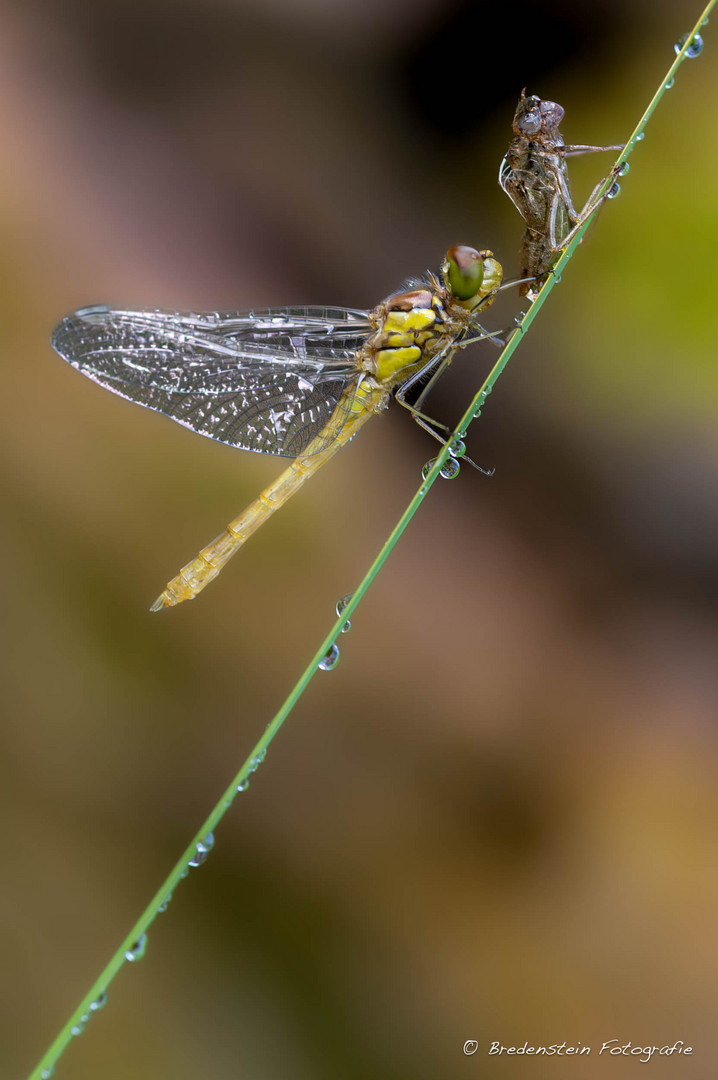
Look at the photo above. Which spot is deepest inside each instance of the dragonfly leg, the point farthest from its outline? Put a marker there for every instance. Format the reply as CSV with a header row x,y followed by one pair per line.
x,y
572,150
577,149
422,419
437,365
511,285
428,423
594,201
445,442
561,195
442,361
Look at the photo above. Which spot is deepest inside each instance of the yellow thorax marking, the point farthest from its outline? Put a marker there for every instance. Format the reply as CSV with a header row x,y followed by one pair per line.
x,y
391,361
403,321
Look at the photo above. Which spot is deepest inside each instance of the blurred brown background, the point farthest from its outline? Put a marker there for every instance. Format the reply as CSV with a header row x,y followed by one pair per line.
x,y
496,818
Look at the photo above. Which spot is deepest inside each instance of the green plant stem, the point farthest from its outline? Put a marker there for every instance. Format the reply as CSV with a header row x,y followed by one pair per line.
x,y
240,781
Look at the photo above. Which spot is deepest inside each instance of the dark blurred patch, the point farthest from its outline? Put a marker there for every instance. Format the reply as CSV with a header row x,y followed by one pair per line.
x,y
634,536
516,805
481,56
158,52
285,937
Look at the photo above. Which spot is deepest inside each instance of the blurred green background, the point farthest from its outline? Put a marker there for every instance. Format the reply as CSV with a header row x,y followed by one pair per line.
x,y
496,818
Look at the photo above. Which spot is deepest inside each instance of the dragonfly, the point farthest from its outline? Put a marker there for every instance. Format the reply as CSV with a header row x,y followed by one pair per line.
x,y
294,382
534,174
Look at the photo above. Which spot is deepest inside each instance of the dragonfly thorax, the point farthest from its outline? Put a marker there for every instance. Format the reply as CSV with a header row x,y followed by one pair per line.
x,y
408,326
414,326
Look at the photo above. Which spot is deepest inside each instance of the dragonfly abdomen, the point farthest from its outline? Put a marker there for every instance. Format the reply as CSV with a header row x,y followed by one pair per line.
x,y
354,409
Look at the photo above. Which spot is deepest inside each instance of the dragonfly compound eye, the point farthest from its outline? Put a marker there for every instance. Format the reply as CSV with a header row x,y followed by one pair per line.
x,y
529,123
463,271
528,119
551,113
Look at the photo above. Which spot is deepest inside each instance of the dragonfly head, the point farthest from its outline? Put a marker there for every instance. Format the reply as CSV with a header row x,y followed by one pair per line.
x,y
534,116
470,275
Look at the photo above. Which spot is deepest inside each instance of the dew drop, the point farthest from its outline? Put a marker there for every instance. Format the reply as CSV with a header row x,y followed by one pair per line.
x,y
614,191
137,951
184,873
47,1073
163,906
256,761
624,169
341,604
202,850
670,83
477,414
101,1001
77,1029
427,468
450,469
704,22
694,49
641,136
243,784
457,448
330,660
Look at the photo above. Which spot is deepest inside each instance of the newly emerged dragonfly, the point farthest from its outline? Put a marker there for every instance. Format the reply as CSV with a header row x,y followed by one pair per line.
x,y
295,382
534,174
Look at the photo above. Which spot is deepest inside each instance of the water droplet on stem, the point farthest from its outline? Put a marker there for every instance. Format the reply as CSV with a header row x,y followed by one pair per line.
x,y
341,604
202,850
694,49
256,761
450,469
137,951
330,660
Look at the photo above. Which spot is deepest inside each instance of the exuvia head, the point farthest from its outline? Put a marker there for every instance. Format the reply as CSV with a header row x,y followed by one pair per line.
x,y
470,275
534,115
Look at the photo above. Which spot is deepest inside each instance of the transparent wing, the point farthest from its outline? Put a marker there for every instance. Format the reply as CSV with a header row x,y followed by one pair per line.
x,y
264,380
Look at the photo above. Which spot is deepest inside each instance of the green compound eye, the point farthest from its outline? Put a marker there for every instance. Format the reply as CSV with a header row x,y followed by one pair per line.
x,y
463,271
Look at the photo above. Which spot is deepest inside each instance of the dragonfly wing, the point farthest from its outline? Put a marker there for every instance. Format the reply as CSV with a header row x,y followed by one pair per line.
x,y
265,381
